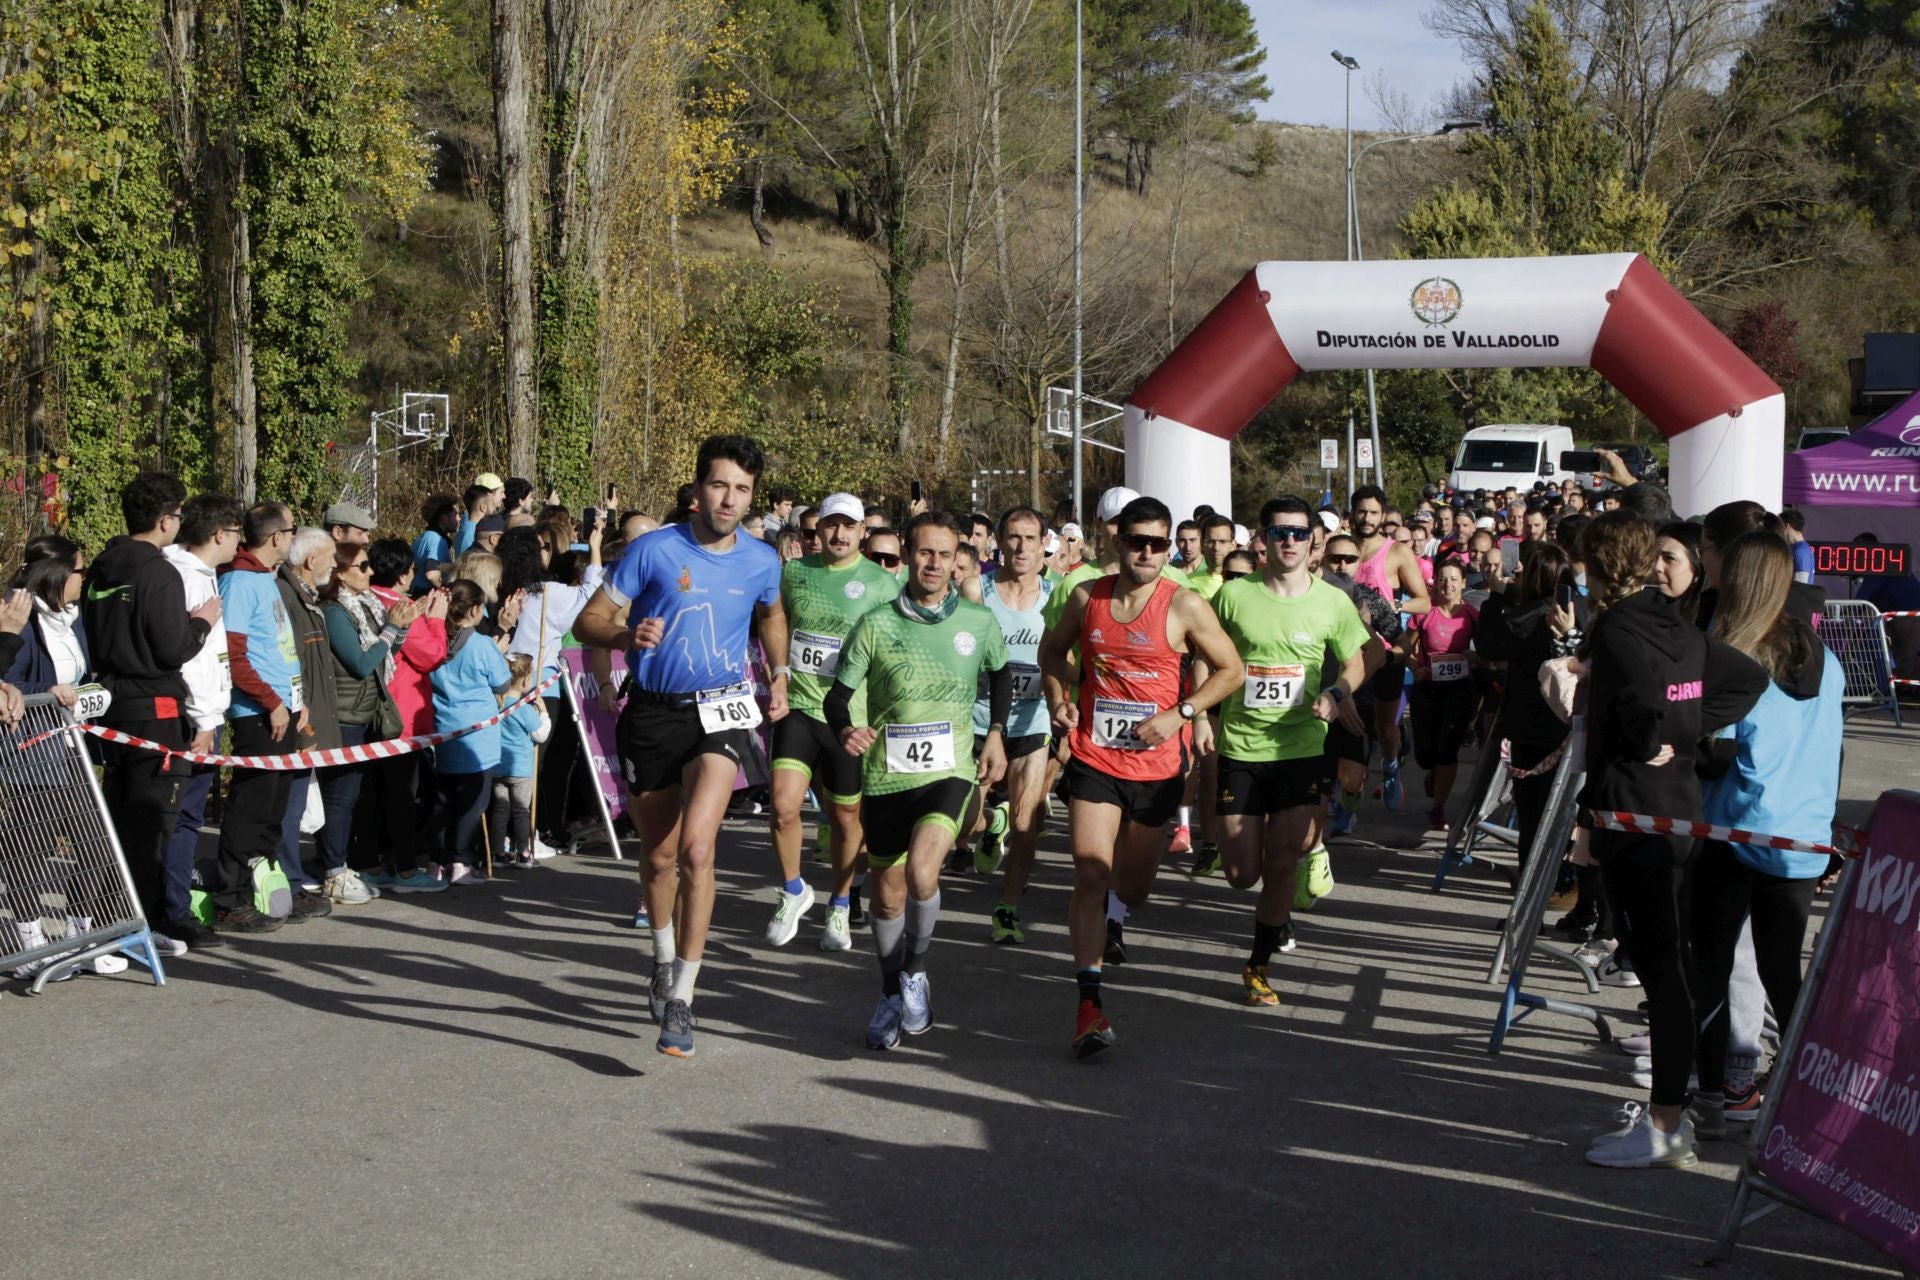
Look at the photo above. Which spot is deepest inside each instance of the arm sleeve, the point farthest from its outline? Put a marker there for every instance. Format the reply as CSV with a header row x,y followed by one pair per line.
x,y
1000,697
838,707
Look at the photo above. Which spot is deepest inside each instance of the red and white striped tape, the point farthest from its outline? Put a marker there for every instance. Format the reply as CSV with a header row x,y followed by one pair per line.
x,y
1900,613
1849,842
320,759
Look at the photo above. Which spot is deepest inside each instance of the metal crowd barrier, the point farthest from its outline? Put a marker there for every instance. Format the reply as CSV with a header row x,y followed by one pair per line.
x,y
1854,632
61,865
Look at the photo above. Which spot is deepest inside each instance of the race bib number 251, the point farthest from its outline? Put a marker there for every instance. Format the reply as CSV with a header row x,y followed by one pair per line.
x,y
1275,688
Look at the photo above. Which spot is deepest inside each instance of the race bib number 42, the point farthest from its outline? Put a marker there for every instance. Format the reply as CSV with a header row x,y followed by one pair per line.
x,y
814,654
1275,688
1448,669
920,748
730,708
1117,724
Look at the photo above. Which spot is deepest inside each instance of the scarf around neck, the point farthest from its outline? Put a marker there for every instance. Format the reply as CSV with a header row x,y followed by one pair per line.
x,y
916,612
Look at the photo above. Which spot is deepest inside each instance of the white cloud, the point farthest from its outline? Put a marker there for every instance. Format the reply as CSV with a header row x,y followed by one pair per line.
x,y
1385,36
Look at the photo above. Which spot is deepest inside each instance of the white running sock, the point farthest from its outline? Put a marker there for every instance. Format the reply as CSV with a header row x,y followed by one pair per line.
x,y
1116,909
1183,816
663,944
685,974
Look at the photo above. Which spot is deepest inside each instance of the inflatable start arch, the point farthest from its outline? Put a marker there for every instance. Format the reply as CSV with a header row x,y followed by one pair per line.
x,y
1725,420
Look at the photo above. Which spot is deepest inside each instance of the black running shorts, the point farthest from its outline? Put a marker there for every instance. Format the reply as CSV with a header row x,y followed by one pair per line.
x,y
808,746
1025,745
658,740
889,820
1268,786
1147,804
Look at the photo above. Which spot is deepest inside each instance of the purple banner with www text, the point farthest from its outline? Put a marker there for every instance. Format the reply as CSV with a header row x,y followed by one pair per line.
x,y
1843,1133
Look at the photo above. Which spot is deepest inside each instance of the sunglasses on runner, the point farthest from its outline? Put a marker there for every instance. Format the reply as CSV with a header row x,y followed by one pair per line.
x,y
884,559
1146,542
1343,559
1228,575
1289,533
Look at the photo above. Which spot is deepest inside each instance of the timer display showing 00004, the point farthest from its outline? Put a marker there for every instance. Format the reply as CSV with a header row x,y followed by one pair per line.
x,y
1862,559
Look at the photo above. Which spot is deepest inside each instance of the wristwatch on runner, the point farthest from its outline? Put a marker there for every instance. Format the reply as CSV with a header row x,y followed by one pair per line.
x,y
1188,711
780,671
1335,692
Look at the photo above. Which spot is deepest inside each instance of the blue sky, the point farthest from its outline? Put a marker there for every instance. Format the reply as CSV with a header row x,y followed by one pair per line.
x,y
1384,35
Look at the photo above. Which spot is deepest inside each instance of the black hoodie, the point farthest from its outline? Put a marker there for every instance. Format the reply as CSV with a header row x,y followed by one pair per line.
x,y
1518,635
1656,681
134,607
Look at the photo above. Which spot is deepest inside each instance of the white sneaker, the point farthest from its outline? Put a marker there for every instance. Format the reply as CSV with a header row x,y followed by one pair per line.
x,y
462,874
542,851
916,1003
347,888
1635,1046
883,1030
787,916
837,935
172,948
1612,973
1641,1146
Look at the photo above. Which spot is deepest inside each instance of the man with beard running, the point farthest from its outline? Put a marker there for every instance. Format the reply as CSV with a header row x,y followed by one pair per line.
x,y
1393,571
682,603
824,595
919,661
1016,593
1129,731
1272,736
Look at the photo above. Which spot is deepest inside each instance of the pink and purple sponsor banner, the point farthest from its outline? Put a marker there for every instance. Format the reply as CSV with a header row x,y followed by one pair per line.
x,y
1843,1137
597,727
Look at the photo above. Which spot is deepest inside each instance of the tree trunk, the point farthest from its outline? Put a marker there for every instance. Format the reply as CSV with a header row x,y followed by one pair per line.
x,y
510,123
1002,251
757,211
244,405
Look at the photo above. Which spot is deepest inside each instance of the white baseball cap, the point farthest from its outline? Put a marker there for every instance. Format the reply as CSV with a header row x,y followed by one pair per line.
x,y
1072,530
1113,502
1240,535
1330,518
1484,522
1053,542
843,504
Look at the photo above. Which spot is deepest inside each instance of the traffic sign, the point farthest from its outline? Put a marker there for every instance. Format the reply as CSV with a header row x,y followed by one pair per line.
x,y
1363,454
1329,455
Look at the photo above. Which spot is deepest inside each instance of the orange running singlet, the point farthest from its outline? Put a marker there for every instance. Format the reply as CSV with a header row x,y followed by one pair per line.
x,y
1128,672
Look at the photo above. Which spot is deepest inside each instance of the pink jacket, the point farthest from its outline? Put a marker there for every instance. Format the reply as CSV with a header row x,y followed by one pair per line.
x,y
424,649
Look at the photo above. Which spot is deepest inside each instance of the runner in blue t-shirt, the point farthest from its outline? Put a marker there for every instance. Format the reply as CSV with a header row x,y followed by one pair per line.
x,y
681,604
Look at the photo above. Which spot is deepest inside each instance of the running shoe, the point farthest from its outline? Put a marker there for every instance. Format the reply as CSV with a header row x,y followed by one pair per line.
x,y
676,1030
883,1030
1313,879
1091,1030
1708,1113
346,888
542,852
660,991
417,882
1116,943
465,876
1392,794
1006,925
1206,860
640,918
986,859
308,905
378,878
1743,1105
1641,1146
788,914
836,935
171,948
916,1003
1182,841
244,919
1341,822
1259,990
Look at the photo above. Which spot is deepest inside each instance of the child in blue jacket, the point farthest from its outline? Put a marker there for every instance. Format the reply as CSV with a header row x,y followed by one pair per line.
x,y
512,811
465,691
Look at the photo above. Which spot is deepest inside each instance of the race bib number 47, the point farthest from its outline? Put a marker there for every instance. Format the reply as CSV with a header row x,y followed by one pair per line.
x,y
814,654
920,748
1026,681
1117,724
1275,688
730,708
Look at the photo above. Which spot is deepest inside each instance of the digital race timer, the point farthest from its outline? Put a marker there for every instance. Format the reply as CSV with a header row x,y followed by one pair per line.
x,y
1862,559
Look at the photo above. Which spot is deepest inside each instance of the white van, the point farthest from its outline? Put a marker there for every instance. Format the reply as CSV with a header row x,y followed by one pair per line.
x,y
1510,454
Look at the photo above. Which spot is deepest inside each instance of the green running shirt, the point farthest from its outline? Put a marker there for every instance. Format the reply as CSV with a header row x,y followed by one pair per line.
x,y
920,679
1283,643
822,605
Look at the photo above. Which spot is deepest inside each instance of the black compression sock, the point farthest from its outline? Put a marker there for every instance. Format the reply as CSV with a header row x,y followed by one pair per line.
x,y
1089,980
1266,941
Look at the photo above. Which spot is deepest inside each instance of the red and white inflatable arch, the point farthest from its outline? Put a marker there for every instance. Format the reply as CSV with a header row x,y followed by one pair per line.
x,y
1725,420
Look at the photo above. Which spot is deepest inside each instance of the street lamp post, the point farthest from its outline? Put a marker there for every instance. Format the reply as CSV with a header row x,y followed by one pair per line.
x,y
1079,146
1351,65
1356,251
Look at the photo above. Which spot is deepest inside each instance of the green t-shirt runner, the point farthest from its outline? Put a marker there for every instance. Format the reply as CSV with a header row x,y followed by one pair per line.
x,y
822,605
1283,642
920,679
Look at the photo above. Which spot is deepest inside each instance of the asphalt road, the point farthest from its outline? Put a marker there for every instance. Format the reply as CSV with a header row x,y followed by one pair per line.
x,y
464,1085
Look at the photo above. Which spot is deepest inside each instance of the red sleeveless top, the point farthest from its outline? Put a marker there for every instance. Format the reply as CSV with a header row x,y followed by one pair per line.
x,y
1128,672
